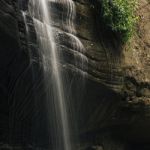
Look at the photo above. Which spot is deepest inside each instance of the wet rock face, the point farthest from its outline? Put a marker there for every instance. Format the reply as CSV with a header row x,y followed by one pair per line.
x,y
22,105
8,50
100,108
8,14
17,92
103,79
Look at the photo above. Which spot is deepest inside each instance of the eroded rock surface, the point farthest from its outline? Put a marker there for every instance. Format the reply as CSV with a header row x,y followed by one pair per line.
x,y
117,94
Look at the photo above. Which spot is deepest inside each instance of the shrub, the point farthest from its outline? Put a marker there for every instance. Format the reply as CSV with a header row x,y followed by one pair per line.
x,y
119,16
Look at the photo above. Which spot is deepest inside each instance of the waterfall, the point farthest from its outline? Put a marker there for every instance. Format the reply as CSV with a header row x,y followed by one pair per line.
x,y
42,12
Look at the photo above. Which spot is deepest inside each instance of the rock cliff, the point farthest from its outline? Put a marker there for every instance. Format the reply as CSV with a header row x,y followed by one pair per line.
x,y
115,108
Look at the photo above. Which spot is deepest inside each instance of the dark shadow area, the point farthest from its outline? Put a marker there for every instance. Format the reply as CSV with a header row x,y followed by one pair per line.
x,y
140,146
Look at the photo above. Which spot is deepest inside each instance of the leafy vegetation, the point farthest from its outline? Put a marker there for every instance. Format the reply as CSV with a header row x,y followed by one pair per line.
x,y
119,16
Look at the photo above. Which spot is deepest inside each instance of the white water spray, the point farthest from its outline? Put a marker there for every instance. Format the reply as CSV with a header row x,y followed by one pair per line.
x,y
41,11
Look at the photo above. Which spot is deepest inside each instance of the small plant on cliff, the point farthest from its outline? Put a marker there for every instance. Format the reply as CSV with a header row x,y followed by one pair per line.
x,y
119,16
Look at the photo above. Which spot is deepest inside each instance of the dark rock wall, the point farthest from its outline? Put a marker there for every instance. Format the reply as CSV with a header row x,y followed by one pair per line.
x,y
10,52
23,111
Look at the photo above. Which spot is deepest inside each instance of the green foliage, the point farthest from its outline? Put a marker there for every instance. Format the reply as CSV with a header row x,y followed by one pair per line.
x,y
119,16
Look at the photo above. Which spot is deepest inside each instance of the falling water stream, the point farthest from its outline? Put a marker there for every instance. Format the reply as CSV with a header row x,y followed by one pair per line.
x,y
41,12
46,29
